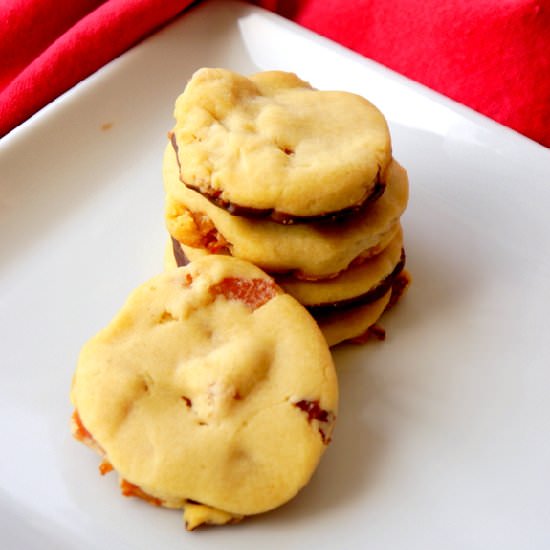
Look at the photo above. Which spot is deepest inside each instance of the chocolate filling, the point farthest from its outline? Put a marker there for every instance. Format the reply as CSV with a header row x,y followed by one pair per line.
x,y
375,293
213,195
179,254
398,288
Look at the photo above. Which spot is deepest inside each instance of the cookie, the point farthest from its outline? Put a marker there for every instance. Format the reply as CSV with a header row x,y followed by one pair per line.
x,y
358,322
313,250
211,390
346,324
360,284
271,146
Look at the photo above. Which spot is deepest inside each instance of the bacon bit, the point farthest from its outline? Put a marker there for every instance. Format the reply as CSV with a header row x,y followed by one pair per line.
x,y
80,432
237,396
374,331
166,317
378,332
188,280
326,440
195,229
130,490
399,286
315,412
188,402
105,467
210,237
253,292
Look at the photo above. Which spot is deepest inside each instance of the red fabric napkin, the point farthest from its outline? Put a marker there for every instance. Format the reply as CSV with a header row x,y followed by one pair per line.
x,y
492,55
47,46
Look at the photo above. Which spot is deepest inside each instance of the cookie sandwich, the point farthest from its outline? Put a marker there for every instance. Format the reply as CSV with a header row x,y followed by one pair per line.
x,y
297,181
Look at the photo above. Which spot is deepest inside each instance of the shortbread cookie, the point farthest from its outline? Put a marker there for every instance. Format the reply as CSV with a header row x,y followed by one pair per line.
x,y
314,250
211,390
272,146
345,324
360,284
358,322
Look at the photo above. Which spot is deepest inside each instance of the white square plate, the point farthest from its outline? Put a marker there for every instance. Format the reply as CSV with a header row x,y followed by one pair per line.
x,y
443,437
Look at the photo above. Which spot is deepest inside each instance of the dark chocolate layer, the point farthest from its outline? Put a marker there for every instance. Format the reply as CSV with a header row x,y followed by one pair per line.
x,y
271,214
373,294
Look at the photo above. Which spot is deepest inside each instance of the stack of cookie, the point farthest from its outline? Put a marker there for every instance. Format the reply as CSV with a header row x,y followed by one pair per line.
x,y
299,182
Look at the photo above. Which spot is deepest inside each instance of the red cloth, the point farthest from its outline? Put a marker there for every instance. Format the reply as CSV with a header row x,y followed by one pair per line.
x,y
492,55
47,46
